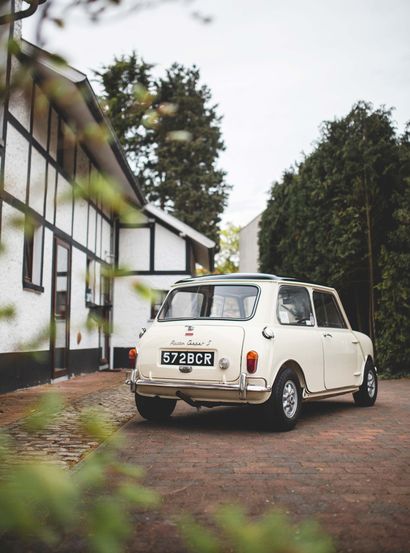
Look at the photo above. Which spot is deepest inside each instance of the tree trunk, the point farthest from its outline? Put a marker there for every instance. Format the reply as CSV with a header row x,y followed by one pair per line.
x,y
370,259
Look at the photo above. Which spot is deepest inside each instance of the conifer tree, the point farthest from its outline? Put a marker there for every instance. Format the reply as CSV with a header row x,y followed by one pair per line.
x,y
171,133
337,216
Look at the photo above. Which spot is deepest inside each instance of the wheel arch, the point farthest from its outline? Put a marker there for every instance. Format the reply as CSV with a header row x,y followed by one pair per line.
x,y
369,359
294,365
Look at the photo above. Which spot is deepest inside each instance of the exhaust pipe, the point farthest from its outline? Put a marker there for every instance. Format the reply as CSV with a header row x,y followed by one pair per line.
x,y
188,400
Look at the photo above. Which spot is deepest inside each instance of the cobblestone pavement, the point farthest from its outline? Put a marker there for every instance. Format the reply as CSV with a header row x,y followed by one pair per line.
x,y
346,466
16,405
63,442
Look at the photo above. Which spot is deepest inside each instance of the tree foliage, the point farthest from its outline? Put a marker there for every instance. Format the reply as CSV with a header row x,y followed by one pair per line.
x,y
393,315
171,133
227,260
334,218
125,99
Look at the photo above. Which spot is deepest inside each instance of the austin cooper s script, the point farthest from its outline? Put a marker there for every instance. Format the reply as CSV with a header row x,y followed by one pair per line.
x,y
251,339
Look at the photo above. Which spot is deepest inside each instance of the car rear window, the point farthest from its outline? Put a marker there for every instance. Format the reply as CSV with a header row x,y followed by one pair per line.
x,y
230,302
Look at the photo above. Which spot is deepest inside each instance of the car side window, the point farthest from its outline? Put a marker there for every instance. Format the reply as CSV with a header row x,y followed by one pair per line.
x,y
327,311
294,307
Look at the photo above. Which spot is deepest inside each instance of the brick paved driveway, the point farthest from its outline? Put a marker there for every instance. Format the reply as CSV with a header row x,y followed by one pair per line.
x,y
62,442
346,466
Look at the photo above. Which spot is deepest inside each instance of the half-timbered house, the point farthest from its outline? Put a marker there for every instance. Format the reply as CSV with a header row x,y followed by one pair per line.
x,y
55,244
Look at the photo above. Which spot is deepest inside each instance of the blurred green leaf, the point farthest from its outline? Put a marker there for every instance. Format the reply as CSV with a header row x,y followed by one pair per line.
x,y
48,408
179,136
271,533
33,492
150,119
167,109
143,290
197,538
95,423
144,97
108,526
138,495
132,471
7,311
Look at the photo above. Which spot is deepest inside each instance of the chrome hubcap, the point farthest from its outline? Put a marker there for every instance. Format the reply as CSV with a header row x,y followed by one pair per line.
x,y
290,399
371,384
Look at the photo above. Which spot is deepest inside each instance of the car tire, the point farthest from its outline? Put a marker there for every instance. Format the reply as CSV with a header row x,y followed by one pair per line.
x,y
367,393
154,408
282,409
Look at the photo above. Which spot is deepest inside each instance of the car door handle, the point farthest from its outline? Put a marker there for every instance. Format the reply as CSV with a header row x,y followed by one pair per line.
x,y
327,335
355,341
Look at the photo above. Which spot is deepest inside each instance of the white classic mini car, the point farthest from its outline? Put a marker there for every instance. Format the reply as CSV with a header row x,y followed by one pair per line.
x,y
251,339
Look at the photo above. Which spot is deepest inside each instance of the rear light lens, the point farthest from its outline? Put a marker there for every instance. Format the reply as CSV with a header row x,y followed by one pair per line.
x,y
132,356
252,361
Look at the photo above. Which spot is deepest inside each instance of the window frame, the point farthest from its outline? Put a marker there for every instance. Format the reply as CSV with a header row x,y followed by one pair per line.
x,y
338,309
163,293
258,294
90,287
29,243
310,303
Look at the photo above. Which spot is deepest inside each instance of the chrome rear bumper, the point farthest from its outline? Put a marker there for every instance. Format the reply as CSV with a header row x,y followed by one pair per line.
x,y
241,388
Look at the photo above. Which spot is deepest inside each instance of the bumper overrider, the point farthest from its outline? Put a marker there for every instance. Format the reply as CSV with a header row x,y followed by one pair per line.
x,y
241,391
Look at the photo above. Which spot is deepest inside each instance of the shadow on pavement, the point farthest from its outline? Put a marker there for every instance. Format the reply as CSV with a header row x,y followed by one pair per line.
x,y
244,418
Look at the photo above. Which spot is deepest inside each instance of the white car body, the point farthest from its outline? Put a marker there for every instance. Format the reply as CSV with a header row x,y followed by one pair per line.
x,y
327,360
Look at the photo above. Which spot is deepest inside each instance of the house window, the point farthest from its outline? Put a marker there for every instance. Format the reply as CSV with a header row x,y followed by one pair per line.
x,y
66,145
33,256
156,302
90,282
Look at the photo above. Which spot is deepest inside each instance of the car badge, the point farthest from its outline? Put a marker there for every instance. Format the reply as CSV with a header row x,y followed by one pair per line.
x,y
185,368
189,330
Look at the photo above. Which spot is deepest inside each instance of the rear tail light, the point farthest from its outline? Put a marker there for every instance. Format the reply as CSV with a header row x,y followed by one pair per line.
x,y
252,361
132,356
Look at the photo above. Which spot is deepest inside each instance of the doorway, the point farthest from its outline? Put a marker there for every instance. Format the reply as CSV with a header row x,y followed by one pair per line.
x,y
60,310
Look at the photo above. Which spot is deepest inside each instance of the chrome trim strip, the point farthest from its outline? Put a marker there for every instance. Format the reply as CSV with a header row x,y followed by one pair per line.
x,y
196,386
329,393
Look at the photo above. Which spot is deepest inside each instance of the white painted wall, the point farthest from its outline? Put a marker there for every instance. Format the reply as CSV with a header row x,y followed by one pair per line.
x,y
16,163
64,205
248,246
131,311
32,308
134,248
92,218
37,181
80,221
170,250
51,189
79,311
20,98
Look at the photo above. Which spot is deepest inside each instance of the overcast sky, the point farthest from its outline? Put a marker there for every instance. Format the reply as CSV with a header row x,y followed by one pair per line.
x,y
276,69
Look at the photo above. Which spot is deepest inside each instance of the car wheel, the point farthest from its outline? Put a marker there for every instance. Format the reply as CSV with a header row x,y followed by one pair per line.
x,y
367,393
282,409
154,408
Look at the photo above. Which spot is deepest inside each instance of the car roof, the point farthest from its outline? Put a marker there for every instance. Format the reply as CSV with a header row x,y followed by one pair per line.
x,y
245,277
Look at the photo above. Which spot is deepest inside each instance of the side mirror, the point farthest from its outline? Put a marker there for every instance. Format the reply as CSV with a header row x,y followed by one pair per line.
x,y
143,331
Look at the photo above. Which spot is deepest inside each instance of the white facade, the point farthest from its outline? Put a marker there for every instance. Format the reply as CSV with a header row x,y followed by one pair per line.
x,y
249,247
156,252
55,246
37,192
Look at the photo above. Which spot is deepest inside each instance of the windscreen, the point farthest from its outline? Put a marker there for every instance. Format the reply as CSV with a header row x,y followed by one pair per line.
x,y
236,302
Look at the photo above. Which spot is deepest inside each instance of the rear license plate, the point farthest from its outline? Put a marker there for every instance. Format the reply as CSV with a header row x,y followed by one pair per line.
x,y
197,358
